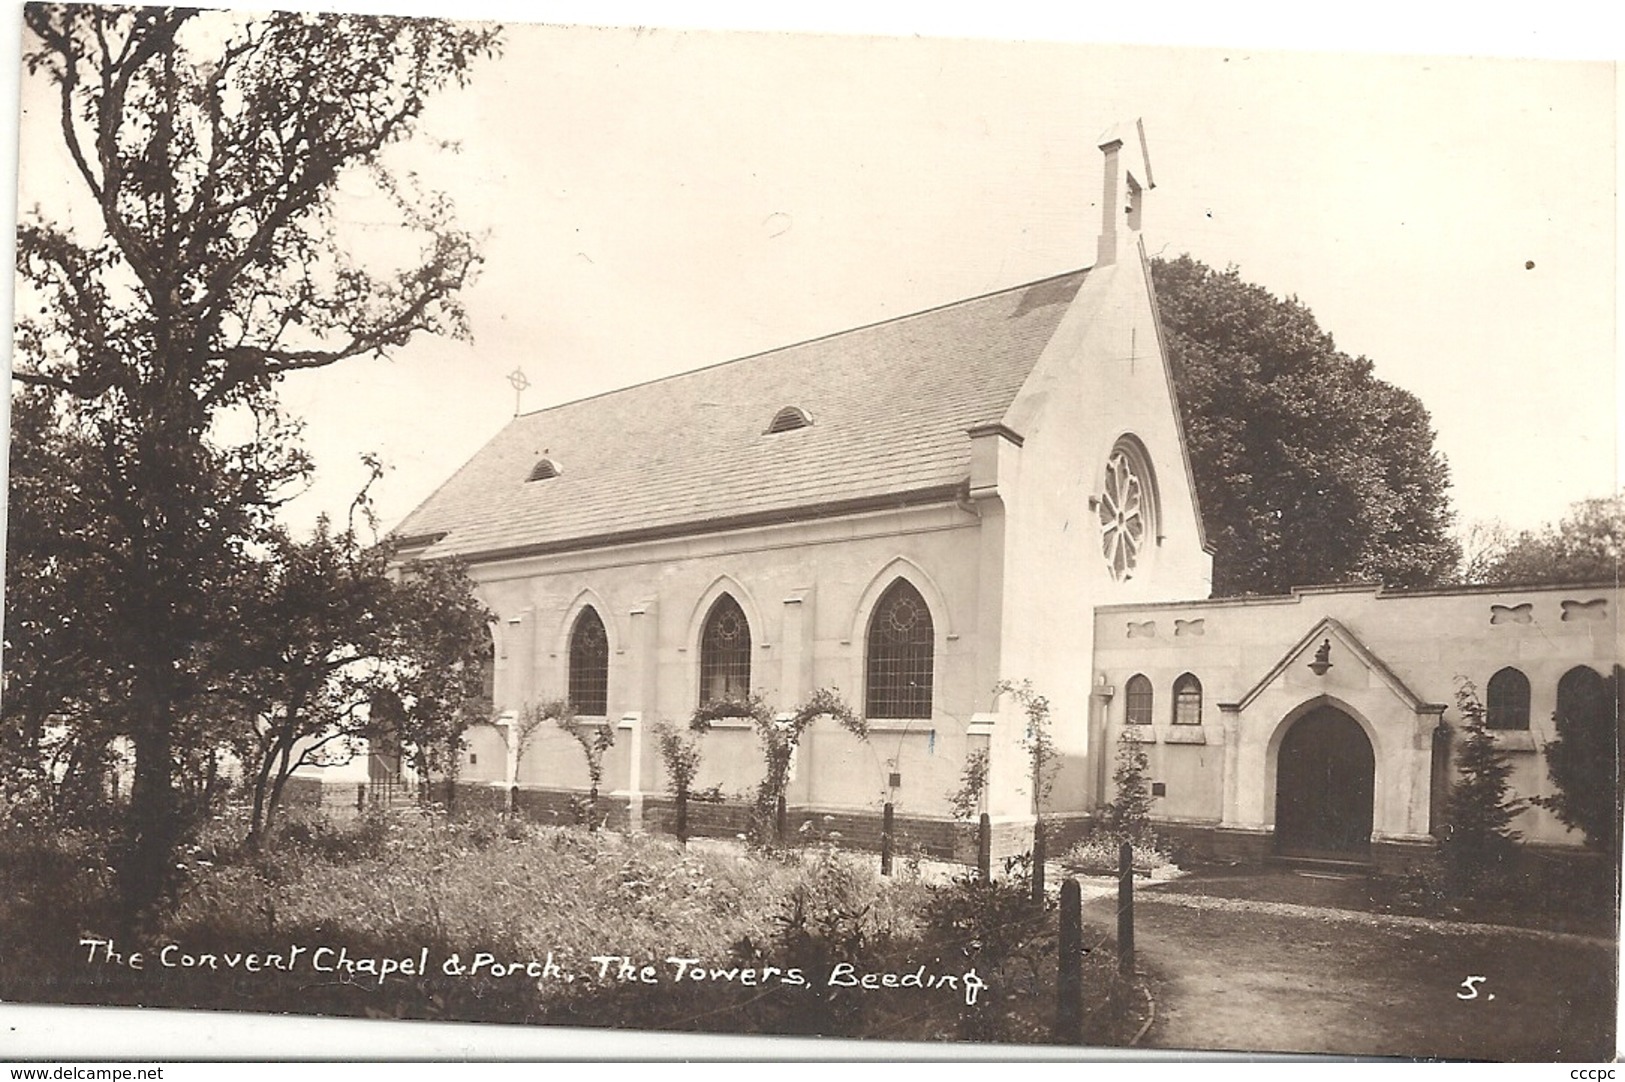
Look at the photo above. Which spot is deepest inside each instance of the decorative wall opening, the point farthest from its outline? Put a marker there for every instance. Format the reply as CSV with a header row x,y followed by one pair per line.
x,y
1138,695
1506,703
901,644
1325,786
589,665
725,652
1127,507
1187,700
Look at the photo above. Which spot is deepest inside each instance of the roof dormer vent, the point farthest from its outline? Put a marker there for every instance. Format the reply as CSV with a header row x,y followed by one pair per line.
x,y
788,419
544,468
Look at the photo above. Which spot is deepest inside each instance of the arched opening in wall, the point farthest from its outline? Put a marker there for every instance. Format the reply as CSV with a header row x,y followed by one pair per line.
x,y
725,652
1138,697
589,665
900,655
1507,700
1325,786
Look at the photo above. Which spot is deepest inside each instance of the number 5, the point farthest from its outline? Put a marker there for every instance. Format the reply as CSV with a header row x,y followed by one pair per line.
x,y
1472,989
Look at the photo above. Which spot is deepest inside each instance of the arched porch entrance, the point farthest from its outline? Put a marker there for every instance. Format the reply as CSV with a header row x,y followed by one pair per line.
x,y
1325,785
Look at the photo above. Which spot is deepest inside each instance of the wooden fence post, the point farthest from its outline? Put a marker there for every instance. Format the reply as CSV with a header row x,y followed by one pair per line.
x,y
781,820
984,848
887,819
1125,909
1038,860
682,818
360,797
1069,978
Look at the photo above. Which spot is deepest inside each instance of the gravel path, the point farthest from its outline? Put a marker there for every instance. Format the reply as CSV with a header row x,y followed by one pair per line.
x,y
1374,920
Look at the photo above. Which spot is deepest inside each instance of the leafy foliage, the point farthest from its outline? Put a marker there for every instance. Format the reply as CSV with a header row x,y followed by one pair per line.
x,y
595,740
680,753
211,147
1129,813
966,801
1583,762
1477,847
779,737
1586,546
1309,469
337,648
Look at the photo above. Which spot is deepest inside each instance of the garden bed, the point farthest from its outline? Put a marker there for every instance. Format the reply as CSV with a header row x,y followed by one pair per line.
x,y
409,915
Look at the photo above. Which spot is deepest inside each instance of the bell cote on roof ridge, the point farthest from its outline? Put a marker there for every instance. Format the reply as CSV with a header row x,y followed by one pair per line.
x,y
1127,176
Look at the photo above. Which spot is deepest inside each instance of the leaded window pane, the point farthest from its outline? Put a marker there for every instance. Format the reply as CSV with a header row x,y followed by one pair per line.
x,y
1139,700
725,652
902,641
589,665
1508,700
1187,700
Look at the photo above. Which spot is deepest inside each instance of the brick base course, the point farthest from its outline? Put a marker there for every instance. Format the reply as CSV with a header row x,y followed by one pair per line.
x,y
937,839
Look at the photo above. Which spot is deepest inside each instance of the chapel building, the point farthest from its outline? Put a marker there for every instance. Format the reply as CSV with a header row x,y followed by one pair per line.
x,y
910,512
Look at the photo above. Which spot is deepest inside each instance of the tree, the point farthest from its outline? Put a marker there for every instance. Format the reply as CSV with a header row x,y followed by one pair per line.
x,y
1586,546
211,147
1478,843
340,648
52,672
680,752
1130,810
1583,761
1309,469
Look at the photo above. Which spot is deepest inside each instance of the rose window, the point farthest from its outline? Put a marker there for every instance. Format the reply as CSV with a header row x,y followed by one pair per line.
x,y
1125,512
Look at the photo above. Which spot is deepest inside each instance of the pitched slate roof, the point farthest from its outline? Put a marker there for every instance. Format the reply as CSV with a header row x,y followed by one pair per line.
x,y
890,404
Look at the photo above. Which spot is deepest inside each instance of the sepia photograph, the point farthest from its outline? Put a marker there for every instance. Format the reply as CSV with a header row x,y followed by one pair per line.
x,y
882,543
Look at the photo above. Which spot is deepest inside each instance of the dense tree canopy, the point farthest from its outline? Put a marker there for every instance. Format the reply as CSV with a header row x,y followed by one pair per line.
x,y
338,646
208,149
1309,468
1585,547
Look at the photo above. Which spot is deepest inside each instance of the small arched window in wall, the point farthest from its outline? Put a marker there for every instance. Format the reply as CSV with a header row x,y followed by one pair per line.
x,y
1127,507
1187,700
1138,697
1582,698
902,641
1507,700
725,652
589,665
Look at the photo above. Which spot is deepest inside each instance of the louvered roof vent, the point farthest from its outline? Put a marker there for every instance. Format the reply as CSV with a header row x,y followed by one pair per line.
x,y
788,419
544,468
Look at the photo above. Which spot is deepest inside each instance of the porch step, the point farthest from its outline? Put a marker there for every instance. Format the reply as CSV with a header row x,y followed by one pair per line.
x,y
1329,866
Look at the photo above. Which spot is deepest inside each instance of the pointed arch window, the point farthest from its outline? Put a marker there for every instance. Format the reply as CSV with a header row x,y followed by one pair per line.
x,y
1507,705
725,652
1187,700
1138,695
589,665
1582,697
900,649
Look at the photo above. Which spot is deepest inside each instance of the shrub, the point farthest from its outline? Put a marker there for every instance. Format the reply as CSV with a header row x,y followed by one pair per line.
x,y
1098,854
1130,811
1478,844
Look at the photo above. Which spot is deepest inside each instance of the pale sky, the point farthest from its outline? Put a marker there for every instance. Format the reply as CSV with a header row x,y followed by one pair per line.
x,y
658,200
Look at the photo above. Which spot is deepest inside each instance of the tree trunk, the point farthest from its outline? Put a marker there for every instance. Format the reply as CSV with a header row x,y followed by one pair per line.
x,y
153,829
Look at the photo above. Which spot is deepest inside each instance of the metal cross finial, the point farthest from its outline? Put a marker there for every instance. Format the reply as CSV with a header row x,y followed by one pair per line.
x,y
519,381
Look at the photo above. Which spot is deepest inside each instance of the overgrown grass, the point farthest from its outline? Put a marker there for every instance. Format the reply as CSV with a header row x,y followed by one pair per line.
x,y
558,901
